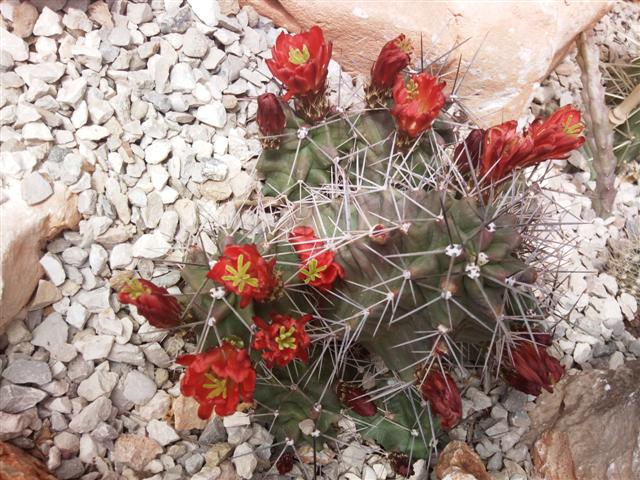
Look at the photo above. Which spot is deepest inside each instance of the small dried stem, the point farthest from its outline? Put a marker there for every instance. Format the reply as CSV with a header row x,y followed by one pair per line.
x,y
597,119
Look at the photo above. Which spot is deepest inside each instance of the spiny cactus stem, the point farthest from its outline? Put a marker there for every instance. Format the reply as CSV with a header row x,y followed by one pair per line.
x,y
193,299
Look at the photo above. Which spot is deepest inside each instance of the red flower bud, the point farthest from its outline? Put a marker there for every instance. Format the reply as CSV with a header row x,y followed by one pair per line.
x,y
529,368
154,303
467,154
243,271
356,399
418,103
393,58
301,62
218,379
400,464
270,116
443,395
285,463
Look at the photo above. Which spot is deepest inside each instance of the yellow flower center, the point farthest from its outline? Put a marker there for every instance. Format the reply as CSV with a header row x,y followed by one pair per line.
x,y
572,130
217,386
412,89
404,45
312,271
298,57
285,338
239,276
136,289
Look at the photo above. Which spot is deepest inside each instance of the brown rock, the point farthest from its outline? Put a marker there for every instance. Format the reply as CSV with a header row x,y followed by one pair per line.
x,y
185,414
510,47
552,458
458,461
16,464
591,423
100,14
24,18
135,450
24,231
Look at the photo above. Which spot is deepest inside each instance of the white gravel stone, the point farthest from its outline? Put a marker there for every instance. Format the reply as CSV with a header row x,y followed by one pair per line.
x,y
244,460
14,45
53,268
157,152
97,258
94,347
22,371
37,131
121,256
195,43
151,245
35,189
77,316
161,432
93,132
72,92
207,12
99,384
16,398
138,388
48,23
52,331
94,300
139,13
75,256
213,114
90,417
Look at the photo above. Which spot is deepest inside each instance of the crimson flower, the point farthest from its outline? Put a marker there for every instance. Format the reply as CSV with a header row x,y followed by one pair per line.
x,y
154,303
282,340
356,399
418,103
301,62
394,56
557,136
270,117
319,269
504,150
218,379
243,271
529,368
442,393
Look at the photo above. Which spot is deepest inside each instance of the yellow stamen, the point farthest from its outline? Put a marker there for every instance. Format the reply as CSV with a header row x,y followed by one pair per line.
x,y
404,45
239,276
574,129
298,57
312,271
286,339
136,289
218,386
412,89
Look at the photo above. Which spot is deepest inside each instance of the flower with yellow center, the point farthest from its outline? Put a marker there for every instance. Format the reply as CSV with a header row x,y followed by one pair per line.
x,y
572,130
312,271
239,276
217,386
137,289
285,338
298,57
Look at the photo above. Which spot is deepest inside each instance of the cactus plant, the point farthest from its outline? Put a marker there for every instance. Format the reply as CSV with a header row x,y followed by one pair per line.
x,y
388,261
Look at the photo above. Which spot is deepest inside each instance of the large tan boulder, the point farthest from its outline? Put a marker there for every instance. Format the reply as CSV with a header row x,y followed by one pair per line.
x,y
24,230
510,47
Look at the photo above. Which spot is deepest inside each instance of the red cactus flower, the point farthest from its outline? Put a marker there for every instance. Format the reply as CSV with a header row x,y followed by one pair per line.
x,y
270,117
285,463
301,62
356,399
319,269
218,379
529,368
154,303
504,150
557,136
243,271
394,56
282,340
418,103
442,393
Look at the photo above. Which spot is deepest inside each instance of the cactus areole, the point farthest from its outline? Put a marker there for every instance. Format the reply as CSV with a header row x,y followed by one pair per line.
x,y
392,259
